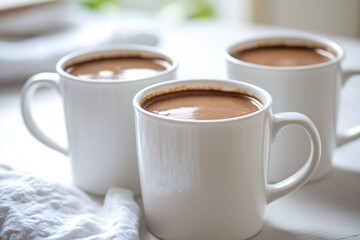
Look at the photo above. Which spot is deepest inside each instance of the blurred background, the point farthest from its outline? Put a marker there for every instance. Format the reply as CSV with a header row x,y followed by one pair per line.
x,y
36,33
328,16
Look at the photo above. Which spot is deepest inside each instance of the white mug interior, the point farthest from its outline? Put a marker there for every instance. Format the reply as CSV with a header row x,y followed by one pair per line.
x,y
115,51
308,41
221,85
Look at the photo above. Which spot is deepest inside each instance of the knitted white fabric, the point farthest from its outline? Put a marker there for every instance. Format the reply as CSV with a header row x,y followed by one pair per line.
x,y
32,208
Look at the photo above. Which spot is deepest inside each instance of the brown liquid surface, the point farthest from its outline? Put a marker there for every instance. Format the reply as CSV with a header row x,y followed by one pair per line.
x,y
202,104
122,68
284,56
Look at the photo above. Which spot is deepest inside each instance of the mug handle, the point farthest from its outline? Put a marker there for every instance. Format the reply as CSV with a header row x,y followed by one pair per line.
x,y
354,132
298,179
31,86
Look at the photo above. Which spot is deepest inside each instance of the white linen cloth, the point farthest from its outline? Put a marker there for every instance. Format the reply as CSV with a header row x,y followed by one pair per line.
x,y
32,208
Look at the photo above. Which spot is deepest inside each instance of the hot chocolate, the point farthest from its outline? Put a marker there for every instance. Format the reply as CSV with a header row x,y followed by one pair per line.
x,y
283,55
202,104
120,68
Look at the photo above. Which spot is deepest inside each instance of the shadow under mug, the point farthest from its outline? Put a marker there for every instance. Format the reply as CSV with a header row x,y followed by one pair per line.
x,y
311,89
99,117
207,179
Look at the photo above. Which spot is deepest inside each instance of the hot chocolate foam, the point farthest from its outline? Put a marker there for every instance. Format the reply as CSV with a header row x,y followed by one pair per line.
x,y
121,68
284,55
202,104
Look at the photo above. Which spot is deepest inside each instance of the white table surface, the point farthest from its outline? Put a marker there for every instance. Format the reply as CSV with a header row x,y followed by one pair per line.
x,y
325,209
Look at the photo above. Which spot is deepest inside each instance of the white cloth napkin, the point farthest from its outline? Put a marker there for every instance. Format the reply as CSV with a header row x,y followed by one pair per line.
x,y
32,208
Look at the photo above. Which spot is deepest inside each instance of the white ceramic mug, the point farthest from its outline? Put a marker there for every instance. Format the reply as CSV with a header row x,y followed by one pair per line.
x,y
206,179
311,89
99,118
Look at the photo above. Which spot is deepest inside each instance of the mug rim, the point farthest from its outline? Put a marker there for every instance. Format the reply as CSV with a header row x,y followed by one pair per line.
x,y
281,37
134,48
255,91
